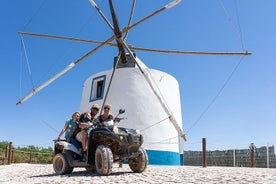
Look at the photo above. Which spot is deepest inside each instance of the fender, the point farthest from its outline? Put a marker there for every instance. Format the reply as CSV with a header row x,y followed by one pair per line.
x,y
68,146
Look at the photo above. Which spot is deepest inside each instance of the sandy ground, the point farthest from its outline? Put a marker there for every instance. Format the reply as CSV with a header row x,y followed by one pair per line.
x,y
39,173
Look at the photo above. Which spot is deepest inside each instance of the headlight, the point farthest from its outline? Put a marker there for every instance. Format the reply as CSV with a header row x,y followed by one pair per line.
x,y
137,131
59,146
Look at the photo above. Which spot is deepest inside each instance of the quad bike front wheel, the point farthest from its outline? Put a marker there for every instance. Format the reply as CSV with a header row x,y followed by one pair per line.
x,y
140,163
103,160
61,165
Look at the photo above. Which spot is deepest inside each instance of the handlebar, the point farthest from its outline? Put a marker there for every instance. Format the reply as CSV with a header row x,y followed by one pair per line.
x,y
117,120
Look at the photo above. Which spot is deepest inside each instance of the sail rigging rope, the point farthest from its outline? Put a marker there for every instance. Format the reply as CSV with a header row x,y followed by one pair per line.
x,y
239,26
69,46
164,141
161,95
27,61
152,125
66,50
216,96
21,70
36,12
237,29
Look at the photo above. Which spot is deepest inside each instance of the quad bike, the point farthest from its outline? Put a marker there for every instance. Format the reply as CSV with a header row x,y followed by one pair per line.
x,y
107,144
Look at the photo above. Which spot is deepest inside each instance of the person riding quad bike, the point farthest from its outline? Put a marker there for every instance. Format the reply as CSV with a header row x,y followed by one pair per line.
x,y
107,144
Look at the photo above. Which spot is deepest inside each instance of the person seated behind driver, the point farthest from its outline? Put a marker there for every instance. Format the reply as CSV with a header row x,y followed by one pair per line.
x,y
69,129
87,127
107,115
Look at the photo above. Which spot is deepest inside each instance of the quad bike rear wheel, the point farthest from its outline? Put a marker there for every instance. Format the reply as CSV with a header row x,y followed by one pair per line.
x,y
103,160
140,163
61,165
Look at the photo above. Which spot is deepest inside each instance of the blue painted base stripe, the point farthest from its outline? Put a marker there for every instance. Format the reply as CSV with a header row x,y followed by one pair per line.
x,y
164,158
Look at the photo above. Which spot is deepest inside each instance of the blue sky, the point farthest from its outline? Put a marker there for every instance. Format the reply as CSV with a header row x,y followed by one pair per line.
x,y
244,109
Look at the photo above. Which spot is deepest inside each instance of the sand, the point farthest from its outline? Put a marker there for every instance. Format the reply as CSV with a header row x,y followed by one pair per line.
x,y
44,173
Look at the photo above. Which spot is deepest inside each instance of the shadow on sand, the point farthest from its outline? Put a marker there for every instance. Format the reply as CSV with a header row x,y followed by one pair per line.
x,y
80,174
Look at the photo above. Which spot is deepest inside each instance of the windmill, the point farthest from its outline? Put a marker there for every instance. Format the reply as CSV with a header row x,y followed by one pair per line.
x,y
127,65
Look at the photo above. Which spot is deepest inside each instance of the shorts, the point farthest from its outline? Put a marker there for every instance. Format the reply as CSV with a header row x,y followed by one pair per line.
x,y
79,136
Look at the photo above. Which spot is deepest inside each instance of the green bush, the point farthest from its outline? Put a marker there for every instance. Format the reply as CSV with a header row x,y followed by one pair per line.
x,y
29,154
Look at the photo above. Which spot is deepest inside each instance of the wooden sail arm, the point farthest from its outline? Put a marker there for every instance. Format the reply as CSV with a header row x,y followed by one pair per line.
x,y
101,13
245,53
130,17
34,91
65,38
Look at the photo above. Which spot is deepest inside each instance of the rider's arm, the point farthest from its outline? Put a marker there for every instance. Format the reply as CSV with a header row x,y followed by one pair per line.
x,y
111,116
71,134
63,130
85,125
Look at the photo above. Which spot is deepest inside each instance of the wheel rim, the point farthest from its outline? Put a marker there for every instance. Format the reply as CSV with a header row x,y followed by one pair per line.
x,y
99,161
59,164
139,164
